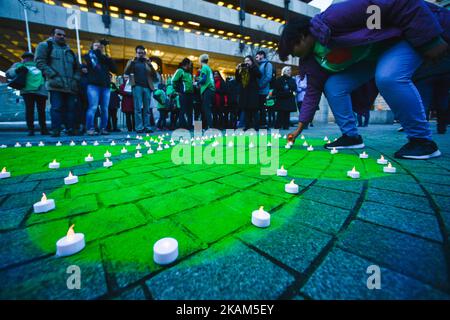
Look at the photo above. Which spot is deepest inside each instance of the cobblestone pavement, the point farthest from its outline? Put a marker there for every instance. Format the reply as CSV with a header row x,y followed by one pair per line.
x,y
319,245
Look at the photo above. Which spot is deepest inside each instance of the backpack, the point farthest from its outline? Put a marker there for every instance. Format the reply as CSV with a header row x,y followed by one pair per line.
x,y
49,54
274,74
20,80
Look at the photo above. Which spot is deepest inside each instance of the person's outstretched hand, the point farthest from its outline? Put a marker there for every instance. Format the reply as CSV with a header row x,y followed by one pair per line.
x,y
293,135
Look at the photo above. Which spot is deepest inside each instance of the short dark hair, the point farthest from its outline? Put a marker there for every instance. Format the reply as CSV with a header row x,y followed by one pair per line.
x,y
261,52
54,30
185,62
290,35
140,47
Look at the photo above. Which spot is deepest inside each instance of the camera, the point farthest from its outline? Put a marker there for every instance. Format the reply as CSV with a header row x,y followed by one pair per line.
x,y
104,42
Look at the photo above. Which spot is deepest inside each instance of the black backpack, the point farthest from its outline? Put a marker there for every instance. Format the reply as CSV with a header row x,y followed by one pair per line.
x,y
20,80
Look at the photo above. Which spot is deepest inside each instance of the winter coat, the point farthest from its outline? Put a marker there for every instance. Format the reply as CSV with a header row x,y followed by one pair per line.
x,y
127,100
152,77
100,74
35,82
249,96
284,91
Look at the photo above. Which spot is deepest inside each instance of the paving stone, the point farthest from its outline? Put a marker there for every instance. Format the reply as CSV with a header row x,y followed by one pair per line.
x,y
442,202
239,181
21,200
424,225
47,279
248,201
387,184
352,186
12,218
332,197
343,276
210,191
50,184
12,180
17,188
104,176
293,245
130,255
400,200
225,271
202,176
437,189
402,253
133,294
433,178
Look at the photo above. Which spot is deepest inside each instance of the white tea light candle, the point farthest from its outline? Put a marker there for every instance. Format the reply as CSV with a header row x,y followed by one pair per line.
x,y
123,150
310,148
305,144
389,169
59,144
54,164
165,251
138,154
334,151
5,174
382,160
107,154
44,205
28,145
261,218
282,172
89,158
291,187
353,174
70,179
107,163
70,244
363,155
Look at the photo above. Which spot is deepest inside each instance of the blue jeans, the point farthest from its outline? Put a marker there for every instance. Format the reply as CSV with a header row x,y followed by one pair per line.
x,y
97,96
63,106
207,101
142,98
393,72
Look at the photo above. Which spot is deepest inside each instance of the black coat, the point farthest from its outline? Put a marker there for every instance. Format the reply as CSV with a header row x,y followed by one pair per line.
x,y
249,97
284,89
100,75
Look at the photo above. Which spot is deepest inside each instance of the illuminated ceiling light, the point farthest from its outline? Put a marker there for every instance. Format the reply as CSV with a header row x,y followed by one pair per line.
x,y
264,15
193,58
141,20
198,32
230,6
270,47
128,11
239,35
98,5
220,32
176,28
192,23
238,8
220,3
187,30
99,12
247,37
113,8
168,20
84,9
66,5
216,36
82,2
256,44
142,15
264,46
206,34
225,38
165,26
270,18
234,40
180,23
114,15
283,22
249,42
211,30
277,20
230,34
128,18
156,18
255,13
270,42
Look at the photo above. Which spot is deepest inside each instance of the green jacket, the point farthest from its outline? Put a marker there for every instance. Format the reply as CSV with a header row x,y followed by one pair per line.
x,y
160,95
60,67
170,91
35,82
186,80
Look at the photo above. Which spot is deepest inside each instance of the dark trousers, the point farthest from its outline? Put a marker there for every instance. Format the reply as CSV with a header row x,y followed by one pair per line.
x,y
283,118
63,108
207,101
112,119
32,100
218,117
129,119
197,110
366,116
251,119
162,122
186,110
174,115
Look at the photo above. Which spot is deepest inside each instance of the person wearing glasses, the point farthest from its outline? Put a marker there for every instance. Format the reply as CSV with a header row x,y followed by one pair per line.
x,y
62,72
142,76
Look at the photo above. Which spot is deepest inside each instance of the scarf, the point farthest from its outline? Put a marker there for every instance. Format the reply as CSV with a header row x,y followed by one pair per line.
x,y
94,59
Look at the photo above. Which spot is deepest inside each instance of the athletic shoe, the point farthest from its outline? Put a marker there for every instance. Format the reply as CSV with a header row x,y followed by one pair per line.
x,y
418,149
346,142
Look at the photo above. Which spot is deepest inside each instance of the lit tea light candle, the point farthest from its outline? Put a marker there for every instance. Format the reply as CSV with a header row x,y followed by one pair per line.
x,y
261,218
287,146
3,146
84,143
41,144
28,145
166,146
44,205
113,143
251,145
310,148
147,144
123,150
353,174
127,143
54,164
138,154
17,145
70,244
269,144
107,154
382,160
165,251
107,163
72,143
305,144
5,174
302,137
159,148
230,144
96,143
138,147
128,136
363,155
390,168
193,144
334,151
71,179
291,187
325,138
59,144
147,135
150,151
173,143
285,137
89,158
282,172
